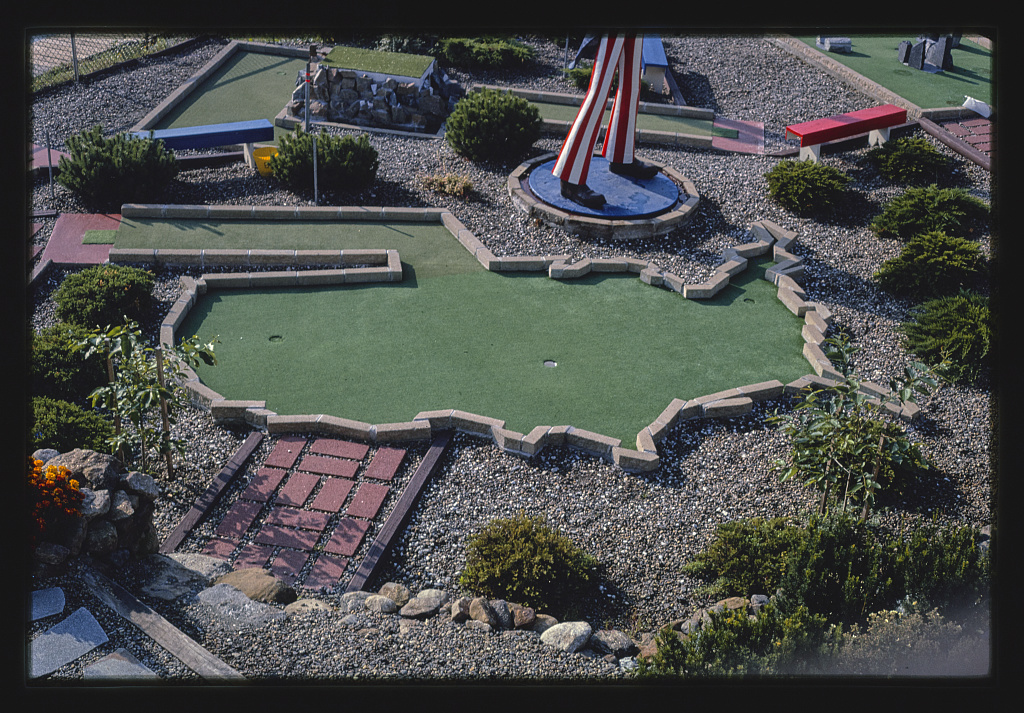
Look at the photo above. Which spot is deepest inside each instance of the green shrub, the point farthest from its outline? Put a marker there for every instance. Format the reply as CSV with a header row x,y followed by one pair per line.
x,y
493,52
579,77
911,160
106,172
745,557
450,184
525,561
493,125
64,426
957,329
59,372
343,162
732,643
807,187
104,294
932,264
923,209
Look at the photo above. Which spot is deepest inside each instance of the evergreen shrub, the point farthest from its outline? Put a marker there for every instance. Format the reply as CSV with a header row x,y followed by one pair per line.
x,y
491,52
525,561
909,160
923,209
107,172
932,264
957,328
344,163
490,124
64,426
104,294
807,187
58,371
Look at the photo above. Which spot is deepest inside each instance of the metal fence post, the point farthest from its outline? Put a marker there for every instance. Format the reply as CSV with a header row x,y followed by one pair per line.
x,y
74,57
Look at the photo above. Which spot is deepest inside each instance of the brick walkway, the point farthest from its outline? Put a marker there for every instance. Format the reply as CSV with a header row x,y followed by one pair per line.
x,y
977,132
307,509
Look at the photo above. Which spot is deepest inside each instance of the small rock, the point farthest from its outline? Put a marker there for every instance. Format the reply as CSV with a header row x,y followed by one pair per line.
x,y
142,485
570,636
380,603
543,622
301,606
398,593
258,584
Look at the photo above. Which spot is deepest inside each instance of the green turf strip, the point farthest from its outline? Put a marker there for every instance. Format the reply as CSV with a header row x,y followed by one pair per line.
x,y
99,237
478,342
874,57
647,122
249,85
399,64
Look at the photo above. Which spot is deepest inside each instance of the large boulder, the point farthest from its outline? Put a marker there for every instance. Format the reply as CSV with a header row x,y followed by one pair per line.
x,y
91,469
614,642
259,585
570,636
425,604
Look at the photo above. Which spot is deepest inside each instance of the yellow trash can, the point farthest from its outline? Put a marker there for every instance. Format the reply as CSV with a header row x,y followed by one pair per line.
x,y
262,157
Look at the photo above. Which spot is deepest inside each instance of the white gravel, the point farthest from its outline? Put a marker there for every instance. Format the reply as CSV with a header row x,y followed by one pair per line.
x,y
643,528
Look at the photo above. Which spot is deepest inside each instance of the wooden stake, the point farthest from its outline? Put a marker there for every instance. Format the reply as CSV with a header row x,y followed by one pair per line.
x,y
163,412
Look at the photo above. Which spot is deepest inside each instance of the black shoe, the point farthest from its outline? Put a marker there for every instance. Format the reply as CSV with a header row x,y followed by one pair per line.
x,y
579,193
636,169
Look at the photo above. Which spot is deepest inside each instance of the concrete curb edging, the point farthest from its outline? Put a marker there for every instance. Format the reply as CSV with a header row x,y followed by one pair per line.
x,y
765,236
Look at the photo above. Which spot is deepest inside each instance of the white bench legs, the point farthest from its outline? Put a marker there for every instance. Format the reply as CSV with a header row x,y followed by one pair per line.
x,y
877,137
811,153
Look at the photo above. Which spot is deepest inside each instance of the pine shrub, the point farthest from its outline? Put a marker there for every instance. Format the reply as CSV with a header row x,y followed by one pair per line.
x,y
957,329
344,163
745,557
932,264
525,561
59,372
909,160
492,52
104,294
807,187
923,209
491,124
64,426
107,172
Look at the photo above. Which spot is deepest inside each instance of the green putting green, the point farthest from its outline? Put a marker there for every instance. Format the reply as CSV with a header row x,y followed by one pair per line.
x,y
874,57
99,237
648,122
249,85
454,335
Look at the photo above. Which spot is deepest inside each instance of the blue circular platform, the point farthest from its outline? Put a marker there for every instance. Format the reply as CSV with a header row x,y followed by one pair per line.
x,y
625,197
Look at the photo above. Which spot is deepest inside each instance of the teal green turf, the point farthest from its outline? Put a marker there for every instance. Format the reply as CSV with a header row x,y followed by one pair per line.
x,y
647,122
874,57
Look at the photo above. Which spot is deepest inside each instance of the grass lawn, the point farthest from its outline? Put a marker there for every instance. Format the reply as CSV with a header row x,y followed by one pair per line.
x,y
874,57
453,335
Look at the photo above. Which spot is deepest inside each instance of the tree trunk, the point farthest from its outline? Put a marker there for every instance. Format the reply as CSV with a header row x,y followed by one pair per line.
x,y
117,414
163,414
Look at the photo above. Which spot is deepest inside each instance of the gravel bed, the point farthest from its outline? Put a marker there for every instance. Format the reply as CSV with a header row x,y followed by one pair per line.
x,y
644,527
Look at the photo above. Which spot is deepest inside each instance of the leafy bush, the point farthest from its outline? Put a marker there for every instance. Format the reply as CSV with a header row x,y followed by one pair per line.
x,y
450,184
106,172
579,77
525,561
957,329
491,52
931,265
806,187
104,294
63,426
58,372
343,162
923,209
746,557
493,125
54,501
732,643
911,160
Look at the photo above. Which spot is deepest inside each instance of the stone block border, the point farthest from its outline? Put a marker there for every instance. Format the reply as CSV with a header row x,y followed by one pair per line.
x,y
765,237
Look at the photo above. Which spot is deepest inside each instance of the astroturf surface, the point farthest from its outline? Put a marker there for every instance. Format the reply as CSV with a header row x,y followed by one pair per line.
x,y
648,122
874,57
452,335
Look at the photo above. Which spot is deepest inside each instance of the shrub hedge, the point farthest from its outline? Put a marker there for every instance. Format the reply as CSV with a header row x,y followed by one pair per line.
x,y
102,295
932,264
807,188
490,124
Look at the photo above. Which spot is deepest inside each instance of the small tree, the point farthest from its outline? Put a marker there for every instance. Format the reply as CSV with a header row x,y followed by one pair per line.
x,y
841,440
146,379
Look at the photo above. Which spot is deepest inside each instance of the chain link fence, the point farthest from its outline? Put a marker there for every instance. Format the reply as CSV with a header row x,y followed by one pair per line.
x,y
58,58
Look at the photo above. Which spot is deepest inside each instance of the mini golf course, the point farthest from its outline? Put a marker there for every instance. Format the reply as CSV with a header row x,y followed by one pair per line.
x,y
604,352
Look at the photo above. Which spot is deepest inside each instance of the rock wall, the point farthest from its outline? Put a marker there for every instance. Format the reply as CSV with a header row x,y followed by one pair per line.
x,y
349,97
116,520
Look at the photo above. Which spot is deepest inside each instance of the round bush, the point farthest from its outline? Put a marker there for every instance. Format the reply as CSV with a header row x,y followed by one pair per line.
x,y
911,160
59,372
104,295
931,265
343,163
483,52
493,125
523,560
806,187
957,328
106,172
922,209
64,426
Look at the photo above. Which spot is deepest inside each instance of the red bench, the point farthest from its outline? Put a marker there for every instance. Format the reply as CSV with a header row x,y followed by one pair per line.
x,y
875,122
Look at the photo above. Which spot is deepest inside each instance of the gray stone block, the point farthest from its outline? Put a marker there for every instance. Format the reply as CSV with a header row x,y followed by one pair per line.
x,y
726,408
635,461
72,638
46,602
118,666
